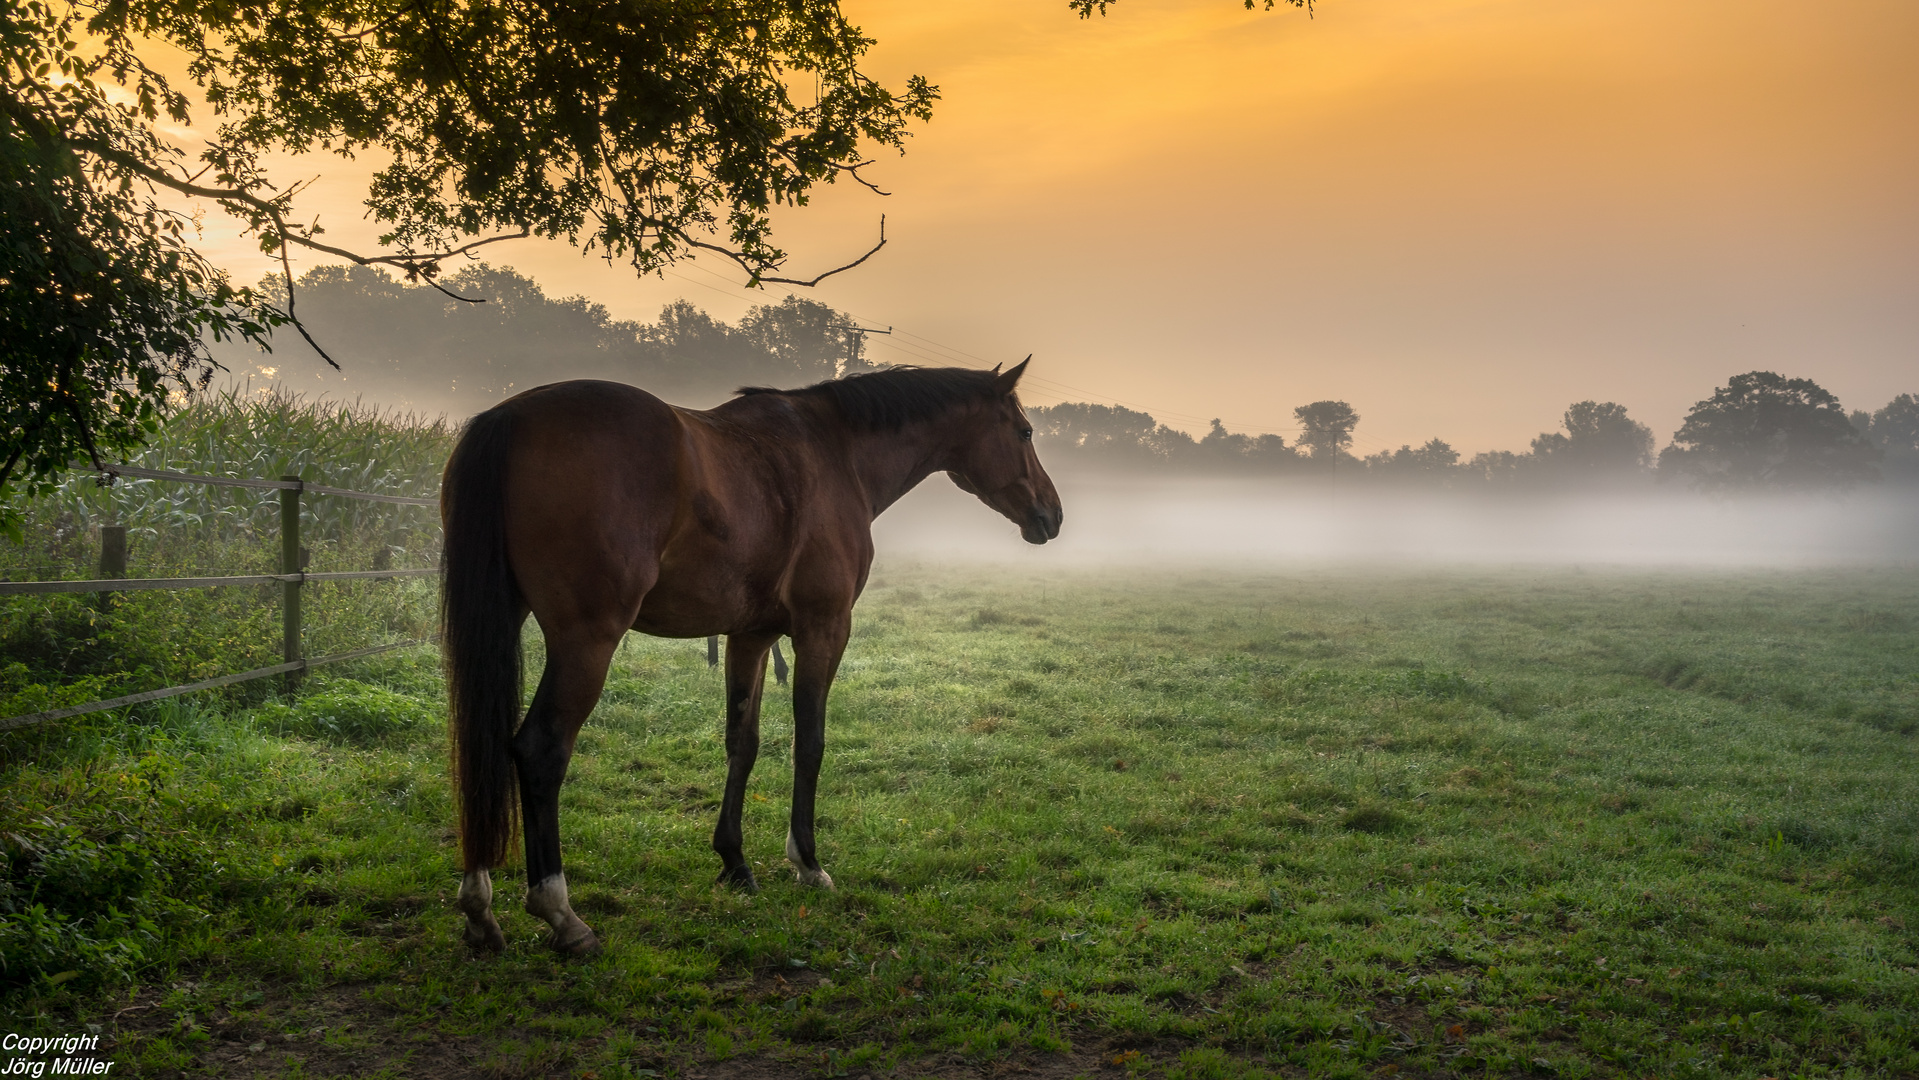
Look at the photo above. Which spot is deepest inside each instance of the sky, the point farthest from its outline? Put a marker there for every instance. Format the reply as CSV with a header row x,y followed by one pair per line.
x,y
1460,216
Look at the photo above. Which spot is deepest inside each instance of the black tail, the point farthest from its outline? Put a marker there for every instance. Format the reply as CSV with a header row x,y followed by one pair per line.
x,y
480,616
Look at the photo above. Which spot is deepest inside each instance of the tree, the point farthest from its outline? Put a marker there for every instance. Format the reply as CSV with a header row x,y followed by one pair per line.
x,y
1109,435
1894,430
1433,462
1227,451
102,303
644,133
1222,445
808,340
1497,469
1327,428
1762,431
1600,440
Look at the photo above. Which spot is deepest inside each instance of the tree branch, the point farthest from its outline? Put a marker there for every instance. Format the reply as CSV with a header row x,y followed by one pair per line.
x,y
437,287
273,212
853,171
286,267
760,278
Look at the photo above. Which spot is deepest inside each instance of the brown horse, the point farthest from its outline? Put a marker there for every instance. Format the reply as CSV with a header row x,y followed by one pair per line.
x,y
600,509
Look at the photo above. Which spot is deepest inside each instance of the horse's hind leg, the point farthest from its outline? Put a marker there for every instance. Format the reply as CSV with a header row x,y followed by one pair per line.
x,y
476,901
569,688
745,678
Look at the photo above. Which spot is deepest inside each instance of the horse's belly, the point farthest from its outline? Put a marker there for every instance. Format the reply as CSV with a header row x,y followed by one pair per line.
x,y
712,596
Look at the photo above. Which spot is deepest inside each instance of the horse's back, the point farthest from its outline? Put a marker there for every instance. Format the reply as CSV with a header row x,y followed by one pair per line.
x,y
625,511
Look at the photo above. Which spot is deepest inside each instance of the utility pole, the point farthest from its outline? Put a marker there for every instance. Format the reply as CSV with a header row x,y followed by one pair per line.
x,y
856,342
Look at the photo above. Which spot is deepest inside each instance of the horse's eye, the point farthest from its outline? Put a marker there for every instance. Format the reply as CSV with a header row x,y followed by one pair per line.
x,y
1026,435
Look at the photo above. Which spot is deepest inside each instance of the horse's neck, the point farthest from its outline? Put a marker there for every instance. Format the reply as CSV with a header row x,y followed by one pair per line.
x,y
890,464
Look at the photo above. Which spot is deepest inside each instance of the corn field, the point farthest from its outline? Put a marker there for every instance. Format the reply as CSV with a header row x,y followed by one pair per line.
x,y
65,649
175,526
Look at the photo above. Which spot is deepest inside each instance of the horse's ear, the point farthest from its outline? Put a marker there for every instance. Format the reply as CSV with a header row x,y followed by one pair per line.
x,y
1004,383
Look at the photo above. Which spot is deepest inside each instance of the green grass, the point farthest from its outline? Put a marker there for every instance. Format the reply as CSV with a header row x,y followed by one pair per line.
x,y
1325,823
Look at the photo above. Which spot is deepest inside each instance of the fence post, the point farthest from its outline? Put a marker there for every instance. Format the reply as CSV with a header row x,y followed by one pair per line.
x,y
113,559
290,591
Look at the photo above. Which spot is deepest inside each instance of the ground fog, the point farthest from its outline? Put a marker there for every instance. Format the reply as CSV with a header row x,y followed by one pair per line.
x,y
1118,520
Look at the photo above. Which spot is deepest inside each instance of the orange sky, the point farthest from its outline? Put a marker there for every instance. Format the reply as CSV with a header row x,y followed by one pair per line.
x,y
1458,215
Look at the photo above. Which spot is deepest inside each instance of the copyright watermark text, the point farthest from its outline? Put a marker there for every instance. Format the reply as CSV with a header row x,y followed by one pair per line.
x,y
38,1056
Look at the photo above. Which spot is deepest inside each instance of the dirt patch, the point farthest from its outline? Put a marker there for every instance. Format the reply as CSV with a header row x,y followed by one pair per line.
x,y
347,1030
1113,1056
337,1033
342,1032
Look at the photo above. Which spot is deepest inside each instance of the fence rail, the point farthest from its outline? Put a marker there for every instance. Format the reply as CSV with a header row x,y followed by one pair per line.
x,y
96,585
291,578
29,719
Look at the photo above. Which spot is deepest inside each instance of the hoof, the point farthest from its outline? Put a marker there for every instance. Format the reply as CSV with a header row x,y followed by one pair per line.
x,y
586,944
814,879
484,936
811,876
740,877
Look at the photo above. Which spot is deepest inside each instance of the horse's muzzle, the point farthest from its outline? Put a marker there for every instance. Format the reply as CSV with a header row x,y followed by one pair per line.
x,y
1042,524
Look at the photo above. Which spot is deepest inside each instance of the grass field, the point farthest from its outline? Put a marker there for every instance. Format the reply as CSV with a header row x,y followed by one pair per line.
x,y
1221,823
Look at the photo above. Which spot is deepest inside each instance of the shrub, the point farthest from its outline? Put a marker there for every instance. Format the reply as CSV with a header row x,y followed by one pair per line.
x,y
75,906
347,712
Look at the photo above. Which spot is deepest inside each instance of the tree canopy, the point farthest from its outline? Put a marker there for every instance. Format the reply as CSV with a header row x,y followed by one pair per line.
x,y
1894,431
1326,427
1600,439
1763,431
103,303
1431,461
642,131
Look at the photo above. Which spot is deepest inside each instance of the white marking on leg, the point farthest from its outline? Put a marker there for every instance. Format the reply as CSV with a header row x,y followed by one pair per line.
x,y
476,901
476,893
548,901
818,879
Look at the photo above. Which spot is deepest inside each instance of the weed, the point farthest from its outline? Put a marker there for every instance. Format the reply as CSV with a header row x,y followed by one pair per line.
x,y
348,713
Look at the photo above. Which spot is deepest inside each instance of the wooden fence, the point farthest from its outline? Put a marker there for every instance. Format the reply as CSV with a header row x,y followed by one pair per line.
x,y
292,577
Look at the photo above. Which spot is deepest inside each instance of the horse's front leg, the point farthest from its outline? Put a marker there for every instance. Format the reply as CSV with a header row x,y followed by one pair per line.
x,y
569,688
745,678
816,659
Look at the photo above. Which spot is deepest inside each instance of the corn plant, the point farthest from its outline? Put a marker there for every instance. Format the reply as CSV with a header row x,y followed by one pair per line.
x,y
174,525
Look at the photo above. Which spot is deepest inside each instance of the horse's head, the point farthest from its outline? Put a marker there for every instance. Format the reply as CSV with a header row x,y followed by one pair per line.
x,y
996,462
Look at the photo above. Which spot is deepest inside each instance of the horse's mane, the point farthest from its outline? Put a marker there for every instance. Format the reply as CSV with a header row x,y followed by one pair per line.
x,y
891,399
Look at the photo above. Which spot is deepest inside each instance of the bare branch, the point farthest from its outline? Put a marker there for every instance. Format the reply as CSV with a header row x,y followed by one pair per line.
x,y
853,171
270,210
455,296
287,268
760,278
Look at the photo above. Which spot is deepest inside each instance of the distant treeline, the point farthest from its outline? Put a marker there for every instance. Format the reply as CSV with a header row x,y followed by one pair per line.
x,y
417,347
1761,431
